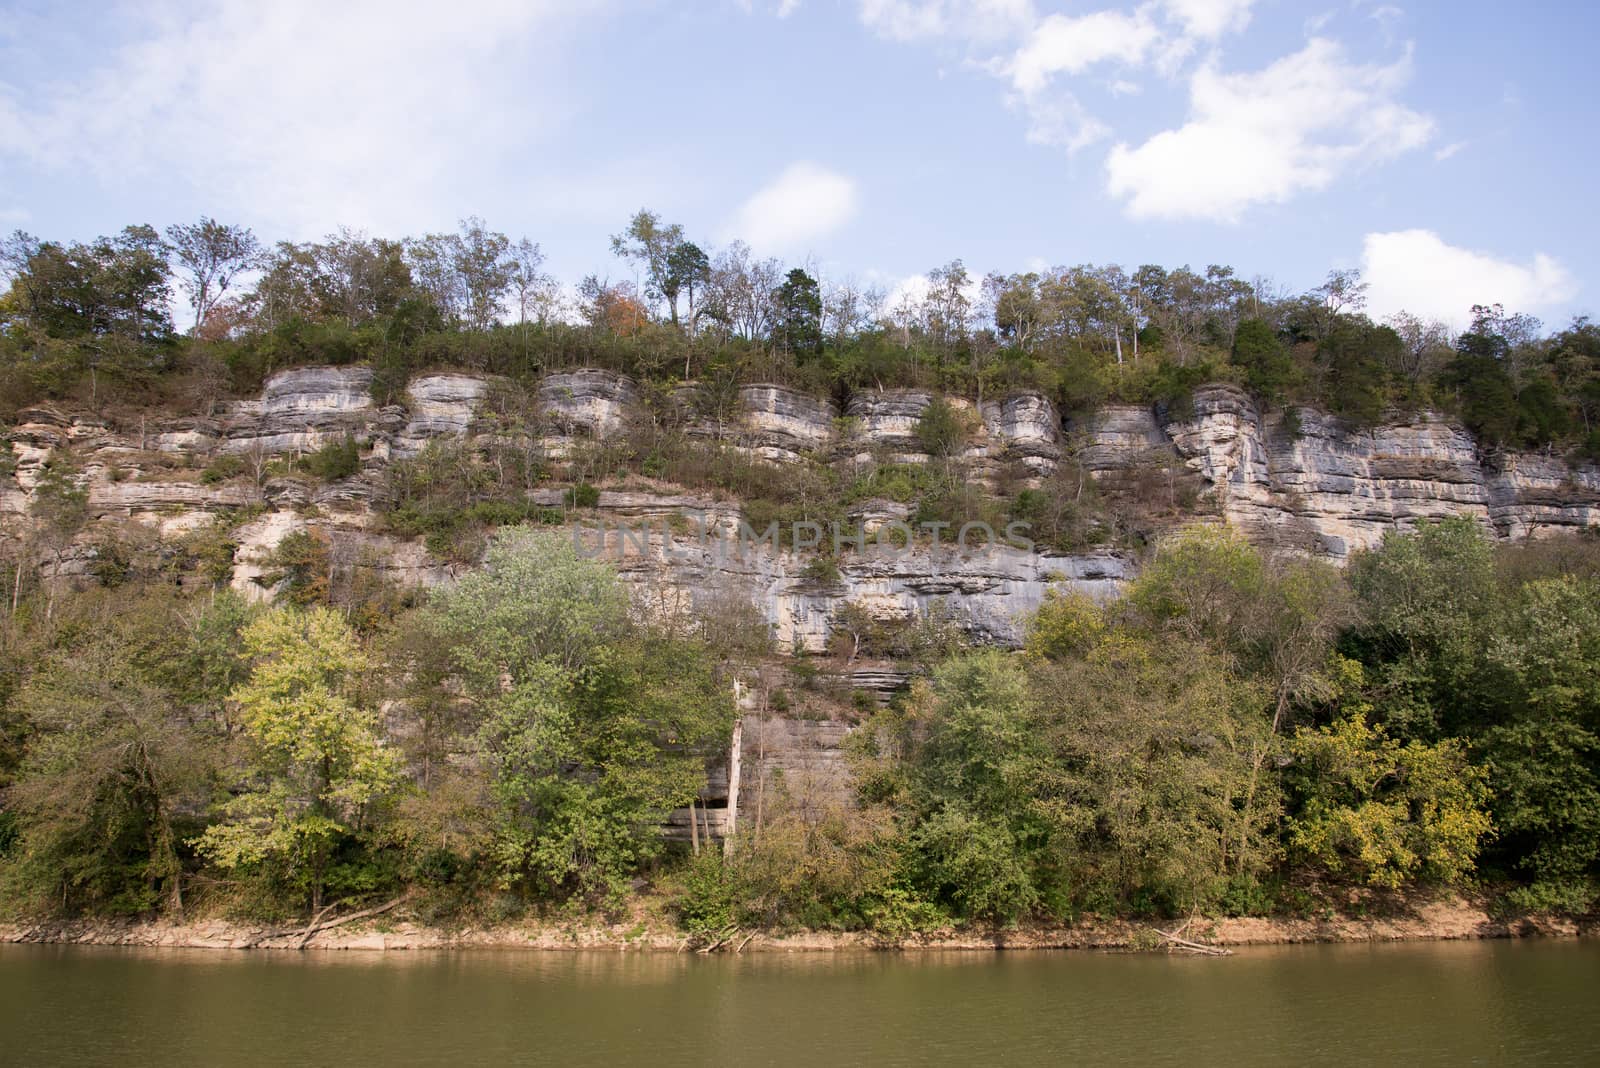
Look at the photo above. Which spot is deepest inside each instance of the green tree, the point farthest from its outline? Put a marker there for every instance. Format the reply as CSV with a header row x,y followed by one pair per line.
x,y
797,313
113,286
1269,370
689,271
981,837
1543,749
654,246
1386,813
316,764
1426,601
211,255
1353,356
1485,396
111,769
483,263
1156,784
940,430
594,730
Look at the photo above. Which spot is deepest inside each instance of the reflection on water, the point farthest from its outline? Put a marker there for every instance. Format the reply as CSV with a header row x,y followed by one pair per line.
x,y
1442,1003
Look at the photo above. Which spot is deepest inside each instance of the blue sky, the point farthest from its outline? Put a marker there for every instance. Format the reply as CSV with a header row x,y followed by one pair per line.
x,y
1444,148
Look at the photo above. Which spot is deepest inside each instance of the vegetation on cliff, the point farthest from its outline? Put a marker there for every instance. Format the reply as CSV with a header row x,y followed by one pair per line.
x,y
93,321
1239,734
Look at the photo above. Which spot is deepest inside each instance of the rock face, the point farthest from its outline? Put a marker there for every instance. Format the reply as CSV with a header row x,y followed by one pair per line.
x,y
584,404
439,406
1029,426
987,591
301,409
783,424
1117,437
886,419
1325,488
1310,484
1023,426
1329,489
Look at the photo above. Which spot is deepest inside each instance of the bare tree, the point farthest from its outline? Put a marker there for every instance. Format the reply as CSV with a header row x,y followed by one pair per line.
x,y
210,256
529,283
740,292
1425,345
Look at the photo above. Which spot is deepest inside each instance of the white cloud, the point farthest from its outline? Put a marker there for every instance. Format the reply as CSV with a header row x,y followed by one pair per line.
x,y
977,21
1416,271
787,8
1059,119
302,113
1210,19
804,203
1063,45
1252,138
908,292
903,20
1388,17
1315,24
1066,45
1262,137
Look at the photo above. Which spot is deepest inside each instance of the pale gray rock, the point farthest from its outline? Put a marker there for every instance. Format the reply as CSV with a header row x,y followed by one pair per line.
x,y
1326,489
1027,427
588,403
886,420
439,406
783,424
302,409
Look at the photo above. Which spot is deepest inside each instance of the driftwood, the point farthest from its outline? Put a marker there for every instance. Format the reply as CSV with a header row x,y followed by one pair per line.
x,y
311,928
1175,942
318,925
721,940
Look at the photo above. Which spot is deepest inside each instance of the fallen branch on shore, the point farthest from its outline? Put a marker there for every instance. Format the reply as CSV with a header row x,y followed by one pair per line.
x,y
1175,942
318,925
721,940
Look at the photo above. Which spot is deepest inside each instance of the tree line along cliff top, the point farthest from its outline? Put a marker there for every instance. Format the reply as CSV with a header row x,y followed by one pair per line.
x,y
93,323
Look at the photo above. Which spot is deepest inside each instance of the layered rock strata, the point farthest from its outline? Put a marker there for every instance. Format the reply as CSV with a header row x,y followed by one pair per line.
x,y
1310,483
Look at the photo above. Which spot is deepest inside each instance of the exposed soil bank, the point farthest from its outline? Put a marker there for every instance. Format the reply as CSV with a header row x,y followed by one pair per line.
x,y
1437,920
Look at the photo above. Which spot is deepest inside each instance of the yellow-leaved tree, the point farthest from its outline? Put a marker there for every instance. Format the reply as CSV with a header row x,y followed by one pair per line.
x,y
317,761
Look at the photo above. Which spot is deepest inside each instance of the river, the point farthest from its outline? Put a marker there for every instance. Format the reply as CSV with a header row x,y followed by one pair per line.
x,y
1413,1004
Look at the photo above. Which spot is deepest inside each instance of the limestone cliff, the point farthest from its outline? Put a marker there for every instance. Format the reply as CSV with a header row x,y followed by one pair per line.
x,y
1309,483
1306,483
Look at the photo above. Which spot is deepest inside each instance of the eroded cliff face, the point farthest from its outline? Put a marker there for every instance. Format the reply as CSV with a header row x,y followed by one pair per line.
x,y
1324,488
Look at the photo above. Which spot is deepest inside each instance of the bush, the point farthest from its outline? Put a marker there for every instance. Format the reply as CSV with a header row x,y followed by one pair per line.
x,y
583,495
335,460
822,571
221,469
706,899
941,430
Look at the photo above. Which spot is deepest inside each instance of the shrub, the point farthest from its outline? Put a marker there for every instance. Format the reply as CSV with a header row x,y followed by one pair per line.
x,y
822,571
335,460
221,469
583,495
706,898
941,430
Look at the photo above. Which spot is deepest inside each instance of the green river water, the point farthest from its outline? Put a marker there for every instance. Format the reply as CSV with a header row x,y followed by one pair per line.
x,y
1534,1003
